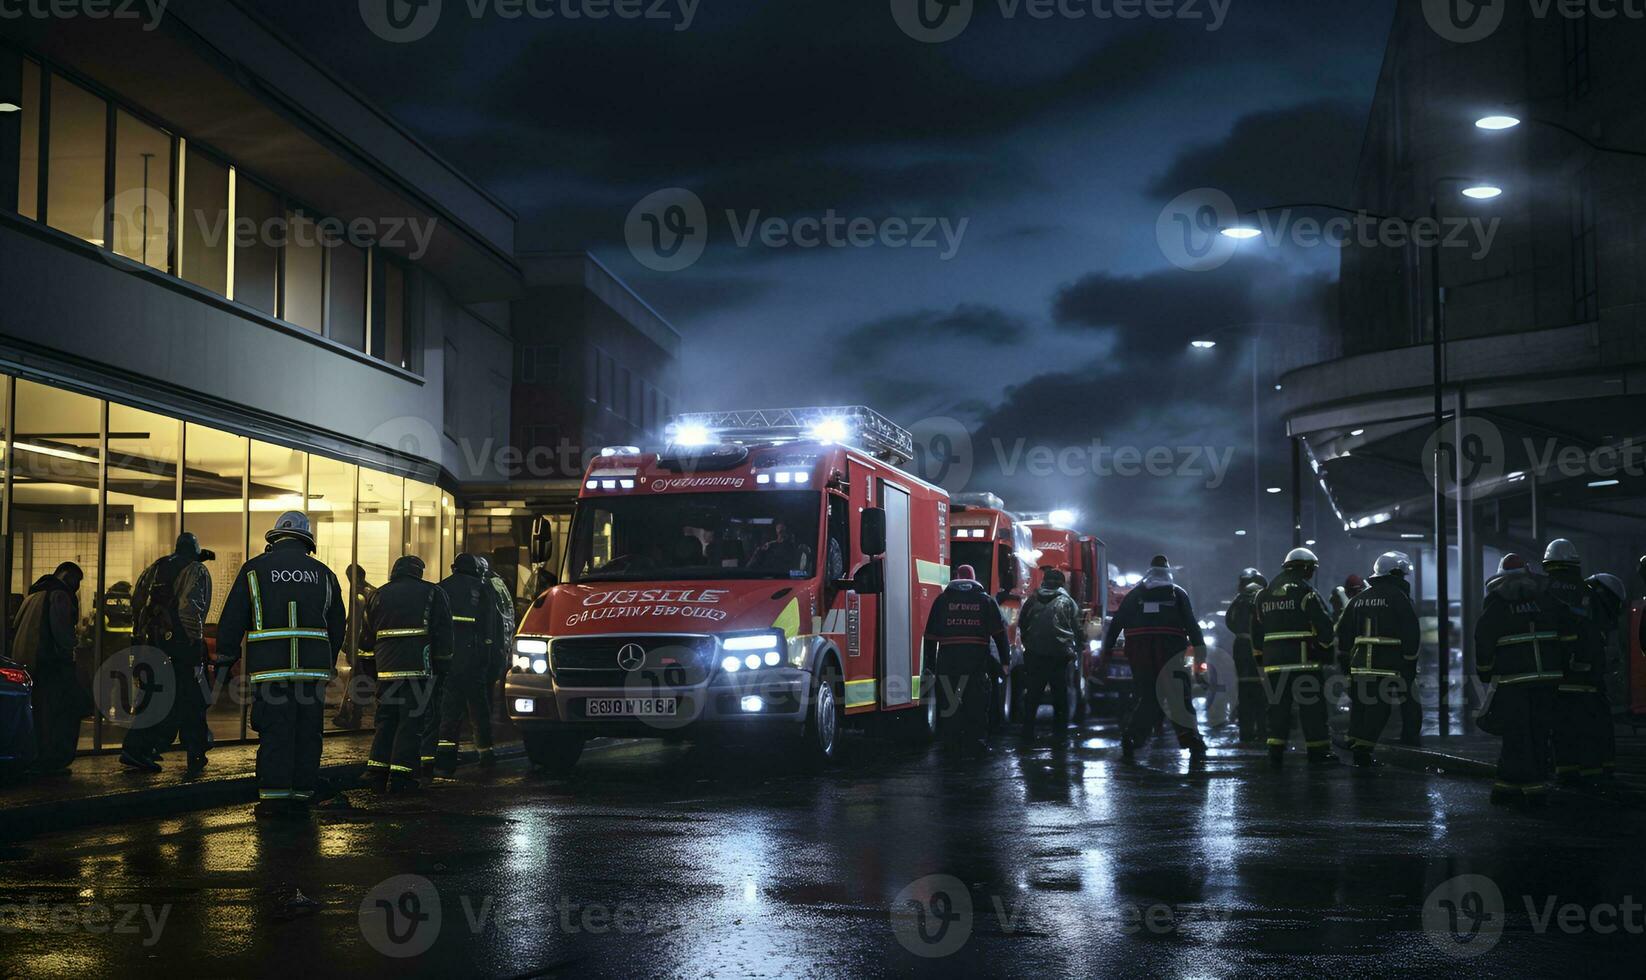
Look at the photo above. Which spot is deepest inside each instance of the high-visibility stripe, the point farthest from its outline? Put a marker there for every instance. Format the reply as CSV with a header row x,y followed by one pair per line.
x,y
274,794
932,573
1289,636
1374,673
286,634
914,687
1277,743
366,654
1376,641
447,745
1287,667
400,769
256,600
395,675
464,619
860,693
263,676
1521,638
374,764
407,631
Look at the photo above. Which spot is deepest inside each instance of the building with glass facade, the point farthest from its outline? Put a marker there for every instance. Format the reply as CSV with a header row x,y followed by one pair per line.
x,y
230,287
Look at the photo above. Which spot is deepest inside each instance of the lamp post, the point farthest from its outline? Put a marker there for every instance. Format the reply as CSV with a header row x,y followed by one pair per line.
x,y
1502,122
1474,190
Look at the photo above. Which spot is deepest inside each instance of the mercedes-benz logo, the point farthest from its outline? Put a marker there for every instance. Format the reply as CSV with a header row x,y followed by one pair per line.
x,y
632,657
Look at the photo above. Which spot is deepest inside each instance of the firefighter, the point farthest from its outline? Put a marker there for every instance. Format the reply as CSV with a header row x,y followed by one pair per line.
x,y
1378,638
1519,649
1292,637
1158,622
1351,587
169,610
43,641
352,711
1050,627
477,634
964,620
1239,622
407,635
1585,744
285,614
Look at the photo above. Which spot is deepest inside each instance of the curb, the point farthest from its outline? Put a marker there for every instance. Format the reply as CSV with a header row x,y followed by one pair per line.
x,y
31,819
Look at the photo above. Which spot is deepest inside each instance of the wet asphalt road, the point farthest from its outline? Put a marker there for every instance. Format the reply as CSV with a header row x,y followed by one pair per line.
x,y
717,862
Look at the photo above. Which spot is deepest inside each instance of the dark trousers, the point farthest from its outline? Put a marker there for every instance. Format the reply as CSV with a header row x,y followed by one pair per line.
x,y
184,717
402,711
430,724
1526,715
59,704
1372,700
288,716
465,696
1585,742
1304,690
1161,686
1039,673
964,690
1250,708
1411,709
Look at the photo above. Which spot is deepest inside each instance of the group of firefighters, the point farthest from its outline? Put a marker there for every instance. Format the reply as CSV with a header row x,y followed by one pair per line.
x,y
434,650
1542,644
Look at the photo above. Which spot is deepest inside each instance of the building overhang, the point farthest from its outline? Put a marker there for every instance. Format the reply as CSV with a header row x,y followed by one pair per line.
x,y
230,82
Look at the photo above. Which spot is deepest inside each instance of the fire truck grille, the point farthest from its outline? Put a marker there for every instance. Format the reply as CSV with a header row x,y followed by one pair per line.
x,y
632,662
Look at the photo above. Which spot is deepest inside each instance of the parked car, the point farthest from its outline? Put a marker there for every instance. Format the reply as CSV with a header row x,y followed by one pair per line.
x,y
16,720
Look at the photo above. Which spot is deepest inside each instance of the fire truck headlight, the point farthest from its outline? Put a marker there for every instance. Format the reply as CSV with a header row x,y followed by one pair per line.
x,y
752,661
773,658
757,641
831,431
693,436
753,703
731,665
540,665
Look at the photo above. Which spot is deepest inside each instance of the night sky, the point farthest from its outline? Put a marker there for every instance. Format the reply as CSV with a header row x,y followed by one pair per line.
x,y
1058,319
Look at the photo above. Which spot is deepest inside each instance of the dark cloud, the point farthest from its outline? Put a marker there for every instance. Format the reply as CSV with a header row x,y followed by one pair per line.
x,y
962,325
1301,153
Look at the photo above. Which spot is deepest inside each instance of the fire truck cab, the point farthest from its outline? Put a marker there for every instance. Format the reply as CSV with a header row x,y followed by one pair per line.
x,y
1000,548
768,572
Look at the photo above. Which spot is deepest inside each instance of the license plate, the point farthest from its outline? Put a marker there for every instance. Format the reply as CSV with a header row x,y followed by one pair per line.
x,y
630,707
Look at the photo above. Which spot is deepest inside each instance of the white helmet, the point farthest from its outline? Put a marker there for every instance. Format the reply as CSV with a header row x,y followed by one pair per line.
x,y
291,524
1562,552
1301,556
1392,563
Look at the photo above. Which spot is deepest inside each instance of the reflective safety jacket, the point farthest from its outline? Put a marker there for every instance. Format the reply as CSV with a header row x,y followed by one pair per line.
x,y
288,612
1519,637
1378,633
964,617
408,629
505,603
477,629
1157,620
1239,620
1586,664
1292,629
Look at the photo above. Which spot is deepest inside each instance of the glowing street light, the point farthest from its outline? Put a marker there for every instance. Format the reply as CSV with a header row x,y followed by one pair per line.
x,y
1202,344
1497,123
1242,233
10,107
1483,192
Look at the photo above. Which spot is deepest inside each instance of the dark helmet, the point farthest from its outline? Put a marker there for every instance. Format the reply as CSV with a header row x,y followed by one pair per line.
x,y
467,564
408,566
188,546
1250,575
1610,594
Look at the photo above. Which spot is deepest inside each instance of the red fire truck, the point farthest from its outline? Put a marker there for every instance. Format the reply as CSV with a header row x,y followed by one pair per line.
x,y
1000,548
768,572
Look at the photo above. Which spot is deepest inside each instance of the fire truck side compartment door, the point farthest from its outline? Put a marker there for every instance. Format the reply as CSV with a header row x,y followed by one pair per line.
x,y
896,603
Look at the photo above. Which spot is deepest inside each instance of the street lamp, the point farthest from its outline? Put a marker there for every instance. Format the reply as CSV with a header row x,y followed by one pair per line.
x,y
10,107
1497,123
1206,344
1503,121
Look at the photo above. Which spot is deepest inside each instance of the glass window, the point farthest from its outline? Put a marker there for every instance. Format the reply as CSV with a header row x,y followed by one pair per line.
x,y
396,350
203,241
141,511
303,302
142,191
331,509
75,161
56,466
677,537
449,389
257,217
214,472
28,147
382,524
448,531
346,295
423,528
276,487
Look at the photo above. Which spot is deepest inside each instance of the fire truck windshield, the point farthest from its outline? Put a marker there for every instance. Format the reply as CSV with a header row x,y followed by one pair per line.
x,y
676,537
979,555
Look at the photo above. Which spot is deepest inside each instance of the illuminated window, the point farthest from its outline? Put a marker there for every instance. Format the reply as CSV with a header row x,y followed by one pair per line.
x,y
141,209
303,301
257,234
28,145
75,161
203,240
346,295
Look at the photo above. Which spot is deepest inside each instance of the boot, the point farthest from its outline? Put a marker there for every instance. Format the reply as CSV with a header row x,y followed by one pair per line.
x,y
488,758
1128,749
139,763
1323,759
1197,752
1277,756
376,779
1364,760
197,765
270,809
399,783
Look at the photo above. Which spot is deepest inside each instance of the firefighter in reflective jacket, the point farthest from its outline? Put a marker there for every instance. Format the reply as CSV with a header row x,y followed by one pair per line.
x,y
1239,622
964,620
1292,637
1519,648
477,635
1585,745
1159,624
407,635
288,610
1378,638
